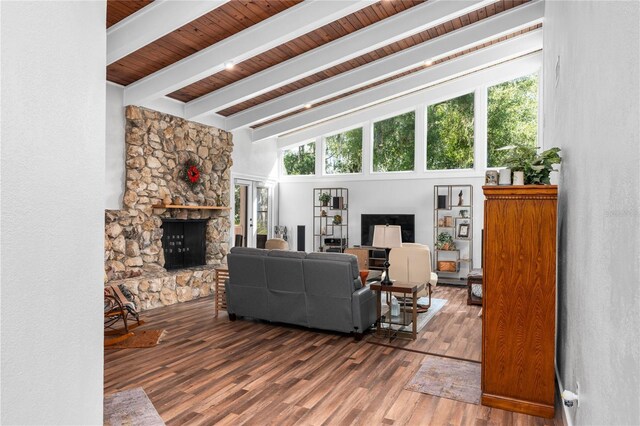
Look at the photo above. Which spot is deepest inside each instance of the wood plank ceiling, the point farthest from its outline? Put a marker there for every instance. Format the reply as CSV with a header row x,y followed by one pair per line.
x,y
117,10
393,77
237,15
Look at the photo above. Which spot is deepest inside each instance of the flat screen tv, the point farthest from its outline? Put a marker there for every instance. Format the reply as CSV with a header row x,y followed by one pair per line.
x,y
406,222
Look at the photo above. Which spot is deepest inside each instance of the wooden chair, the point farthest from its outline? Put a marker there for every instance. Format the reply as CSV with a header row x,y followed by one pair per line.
x,y
117,307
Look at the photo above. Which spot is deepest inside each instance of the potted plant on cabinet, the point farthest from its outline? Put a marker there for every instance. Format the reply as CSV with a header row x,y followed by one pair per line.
x,y
532,168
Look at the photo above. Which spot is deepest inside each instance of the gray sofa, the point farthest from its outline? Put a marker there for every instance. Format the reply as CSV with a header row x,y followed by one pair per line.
x,y
315,290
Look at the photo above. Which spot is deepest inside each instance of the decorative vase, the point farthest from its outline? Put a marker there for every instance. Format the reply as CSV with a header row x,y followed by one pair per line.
x,y
177,201
364,273
491,178
166,200
518,178
505,177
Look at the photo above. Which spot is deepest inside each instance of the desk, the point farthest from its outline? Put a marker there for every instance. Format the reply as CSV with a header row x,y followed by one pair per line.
x,y
405,318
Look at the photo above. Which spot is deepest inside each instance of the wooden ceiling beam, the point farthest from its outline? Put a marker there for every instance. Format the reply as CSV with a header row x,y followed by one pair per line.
x,y
287,25
397,27
480,59
153,22
473,35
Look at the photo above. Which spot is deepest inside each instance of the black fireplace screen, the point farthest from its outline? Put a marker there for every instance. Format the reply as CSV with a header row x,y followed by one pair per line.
x,y
184,242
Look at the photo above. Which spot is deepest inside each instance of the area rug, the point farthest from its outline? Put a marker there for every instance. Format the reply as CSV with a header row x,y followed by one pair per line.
x,y
138,339
425,317
448,378
131,408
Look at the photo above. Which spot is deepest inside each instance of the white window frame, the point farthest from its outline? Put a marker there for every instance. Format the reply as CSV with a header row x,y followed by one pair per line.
x,y
477,82
281,170
538,74
477,92
324,152
386,117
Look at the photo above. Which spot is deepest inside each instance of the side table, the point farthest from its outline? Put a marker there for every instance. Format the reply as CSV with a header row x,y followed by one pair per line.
x,y
405,318
220,297
474,278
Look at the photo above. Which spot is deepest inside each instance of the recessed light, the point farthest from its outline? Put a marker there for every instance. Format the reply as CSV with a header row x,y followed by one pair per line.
x,y
427,63
307,106
228,65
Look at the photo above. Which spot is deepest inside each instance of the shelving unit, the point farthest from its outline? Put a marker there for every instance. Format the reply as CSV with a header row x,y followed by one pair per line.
x,y
449,217
328,235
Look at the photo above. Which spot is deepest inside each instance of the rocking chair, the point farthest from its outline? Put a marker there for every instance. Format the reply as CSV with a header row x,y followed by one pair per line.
x,y
117,307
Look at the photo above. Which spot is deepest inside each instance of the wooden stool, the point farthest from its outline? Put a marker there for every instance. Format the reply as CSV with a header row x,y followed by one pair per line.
x,y
474,277
220,298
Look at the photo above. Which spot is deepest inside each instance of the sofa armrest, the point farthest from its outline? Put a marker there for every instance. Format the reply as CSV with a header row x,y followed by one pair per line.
x,y
363,306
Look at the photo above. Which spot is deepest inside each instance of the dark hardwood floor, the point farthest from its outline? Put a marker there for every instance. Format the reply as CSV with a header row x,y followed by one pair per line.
x,y
212,371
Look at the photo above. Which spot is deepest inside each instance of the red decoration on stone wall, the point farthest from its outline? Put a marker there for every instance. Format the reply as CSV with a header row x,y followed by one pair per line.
x,y
191,173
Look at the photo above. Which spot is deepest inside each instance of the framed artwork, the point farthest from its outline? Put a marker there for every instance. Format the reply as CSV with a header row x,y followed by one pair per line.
x,y
463,230
448,221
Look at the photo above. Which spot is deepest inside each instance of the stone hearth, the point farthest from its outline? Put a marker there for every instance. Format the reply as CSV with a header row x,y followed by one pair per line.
x,y
157,147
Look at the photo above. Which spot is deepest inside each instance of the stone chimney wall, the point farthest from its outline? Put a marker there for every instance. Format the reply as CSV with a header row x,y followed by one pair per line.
x,y
157,147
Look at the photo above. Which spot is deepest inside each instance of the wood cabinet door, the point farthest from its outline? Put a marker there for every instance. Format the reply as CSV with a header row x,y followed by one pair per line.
x,y
519,298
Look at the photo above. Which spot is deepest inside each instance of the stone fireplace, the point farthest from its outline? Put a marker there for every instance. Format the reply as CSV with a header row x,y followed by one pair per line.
x,y
157,148
184,243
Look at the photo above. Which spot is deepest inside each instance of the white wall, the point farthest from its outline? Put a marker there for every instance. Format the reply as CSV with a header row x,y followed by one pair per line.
x,y
254,159
52,224
407,196
592,112
115,174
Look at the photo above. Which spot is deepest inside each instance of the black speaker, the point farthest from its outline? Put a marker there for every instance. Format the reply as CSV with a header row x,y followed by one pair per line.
x,y
442,202
300,236
337,203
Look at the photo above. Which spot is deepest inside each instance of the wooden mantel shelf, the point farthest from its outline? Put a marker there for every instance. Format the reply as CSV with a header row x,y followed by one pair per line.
x,y
175,206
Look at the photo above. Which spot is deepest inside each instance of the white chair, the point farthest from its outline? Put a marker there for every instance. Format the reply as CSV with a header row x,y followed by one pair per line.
x,y
276,244
411,263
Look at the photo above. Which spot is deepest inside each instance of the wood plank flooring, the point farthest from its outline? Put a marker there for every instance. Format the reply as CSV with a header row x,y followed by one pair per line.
x,y
212,371
455,331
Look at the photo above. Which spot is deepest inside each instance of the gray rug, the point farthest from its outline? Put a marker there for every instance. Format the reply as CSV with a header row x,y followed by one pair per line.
x,y
448,378
425,317
131,408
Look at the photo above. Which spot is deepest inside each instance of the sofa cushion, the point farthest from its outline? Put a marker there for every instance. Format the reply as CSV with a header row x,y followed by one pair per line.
x,y
339,257
287,254
248,291
249,251
285,283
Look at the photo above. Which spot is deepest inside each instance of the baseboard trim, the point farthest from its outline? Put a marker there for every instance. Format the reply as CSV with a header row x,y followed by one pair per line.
x,y
566,417
512,404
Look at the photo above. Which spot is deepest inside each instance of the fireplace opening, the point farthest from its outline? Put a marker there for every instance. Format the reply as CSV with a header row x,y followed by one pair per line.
x,y
184,242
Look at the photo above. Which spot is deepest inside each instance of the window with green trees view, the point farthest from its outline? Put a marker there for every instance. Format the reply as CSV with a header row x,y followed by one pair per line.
x,y
450,134
512,117
343,152
300,160
393,143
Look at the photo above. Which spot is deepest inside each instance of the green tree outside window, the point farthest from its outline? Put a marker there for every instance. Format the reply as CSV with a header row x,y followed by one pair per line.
x,y
394,143
300,160
343,152
512,117
450,135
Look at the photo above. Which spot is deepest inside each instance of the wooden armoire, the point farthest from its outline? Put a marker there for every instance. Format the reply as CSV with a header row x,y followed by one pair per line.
x,y
519,298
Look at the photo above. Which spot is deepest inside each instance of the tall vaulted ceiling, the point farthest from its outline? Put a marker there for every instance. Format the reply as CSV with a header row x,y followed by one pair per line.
x,y
264,64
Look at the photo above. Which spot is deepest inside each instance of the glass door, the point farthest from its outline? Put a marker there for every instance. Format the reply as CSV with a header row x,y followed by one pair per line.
x,y
252,213
262,215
